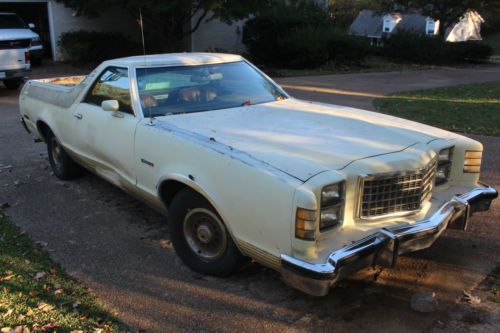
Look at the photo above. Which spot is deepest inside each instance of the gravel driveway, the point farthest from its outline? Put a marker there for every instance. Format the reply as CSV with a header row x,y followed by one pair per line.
x,y
120,248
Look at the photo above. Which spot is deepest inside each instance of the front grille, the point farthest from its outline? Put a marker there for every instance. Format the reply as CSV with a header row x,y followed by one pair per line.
x,y
395,194
15,44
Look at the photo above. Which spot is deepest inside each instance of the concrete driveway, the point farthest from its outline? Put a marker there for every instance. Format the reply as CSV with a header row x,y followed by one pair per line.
x,y
120,248
358,90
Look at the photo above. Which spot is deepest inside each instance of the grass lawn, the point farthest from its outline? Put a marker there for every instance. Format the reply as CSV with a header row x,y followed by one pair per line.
x,y
471,108
37,294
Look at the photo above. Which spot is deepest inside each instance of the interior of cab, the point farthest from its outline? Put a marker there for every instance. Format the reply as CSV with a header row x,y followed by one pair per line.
x,y
174,90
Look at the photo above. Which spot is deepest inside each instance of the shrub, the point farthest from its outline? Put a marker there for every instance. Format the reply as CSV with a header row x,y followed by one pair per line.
x,y
264,34
410,47
300,36
93,47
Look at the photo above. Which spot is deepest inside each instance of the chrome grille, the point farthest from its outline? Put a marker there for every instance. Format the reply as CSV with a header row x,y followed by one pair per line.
x,y
395,194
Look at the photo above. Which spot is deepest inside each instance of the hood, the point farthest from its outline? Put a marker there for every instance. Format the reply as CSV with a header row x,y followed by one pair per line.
x,y
13,34
303,138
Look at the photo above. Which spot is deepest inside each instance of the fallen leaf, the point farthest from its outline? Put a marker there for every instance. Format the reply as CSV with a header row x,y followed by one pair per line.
x,y
7,330
57,286
8,313
58,291
21,329
39,275
45,307
49,326
77,331
8,277
33,293
53,271
76,304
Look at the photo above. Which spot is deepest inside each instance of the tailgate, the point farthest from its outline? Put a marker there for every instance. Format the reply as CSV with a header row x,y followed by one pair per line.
x,y
12,59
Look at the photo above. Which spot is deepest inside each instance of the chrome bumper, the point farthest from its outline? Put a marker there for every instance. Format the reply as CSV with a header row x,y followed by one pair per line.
x,y
383,247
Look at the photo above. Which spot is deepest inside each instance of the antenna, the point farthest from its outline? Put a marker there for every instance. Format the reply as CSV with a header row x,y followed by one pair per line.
x,y
145,59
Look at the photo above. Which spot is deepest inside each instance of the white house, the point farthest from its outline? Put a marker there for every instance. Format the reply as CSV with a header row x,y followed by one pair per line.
x,y
375,26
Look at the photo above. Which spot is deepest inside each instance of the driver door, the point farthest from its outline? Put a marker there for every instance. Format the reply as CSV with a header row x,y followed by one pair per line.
x,y
107,137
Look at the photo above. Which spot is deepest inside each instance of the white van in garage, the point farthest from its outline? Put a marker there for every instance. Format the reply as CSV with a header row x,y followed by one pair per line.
x,y
15,41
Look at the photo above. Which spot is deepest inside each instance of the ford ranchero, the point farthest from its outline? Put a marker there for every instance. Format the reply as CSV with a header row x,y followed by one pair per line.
x,y
243,170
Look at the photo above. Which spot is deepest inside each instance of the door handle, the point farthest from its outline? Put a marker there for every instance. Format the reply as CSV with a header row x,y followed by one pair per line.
x,y
78,115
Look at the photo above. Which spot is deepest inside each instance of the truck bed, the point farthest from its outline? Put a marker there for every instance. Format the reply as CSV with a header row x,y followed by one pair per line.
x,y
58,91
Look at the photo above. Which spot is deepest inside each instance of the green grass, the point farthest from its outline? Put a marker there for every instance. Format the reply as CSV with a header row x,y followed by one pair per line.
x,y
36,293
471,108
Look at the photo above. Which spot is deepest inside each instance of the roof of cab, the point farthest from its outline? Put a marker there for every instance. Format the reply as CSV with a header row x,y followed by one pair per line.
x,y
175,59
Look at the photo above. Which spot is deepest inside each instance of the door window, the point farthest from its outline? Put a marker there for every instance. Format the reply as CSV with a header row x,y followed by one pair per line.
x,y
112,84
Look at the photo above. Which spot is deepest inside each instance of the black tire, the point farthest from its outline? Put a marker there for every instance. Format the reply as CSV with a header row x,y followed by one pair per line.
x,y
62,165
12,84
186,206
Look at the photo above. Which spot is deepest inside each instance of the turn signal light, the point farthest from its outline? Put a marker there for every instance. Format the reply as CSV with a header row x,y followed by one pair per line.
x,y
305,224
472,161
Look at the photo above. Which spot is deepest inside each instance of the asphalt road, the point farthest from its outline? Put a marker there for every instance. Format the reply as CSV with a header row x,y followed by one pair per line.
x,y
120,248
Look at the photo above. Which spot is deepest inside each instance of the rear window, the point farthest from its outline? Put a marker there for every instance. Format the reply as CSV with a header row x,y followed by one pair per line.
x,y
11,22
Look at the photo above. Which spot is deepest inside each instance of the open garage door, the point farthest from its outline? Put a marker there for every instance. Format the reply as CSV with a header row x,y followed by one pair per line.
x,y
36,13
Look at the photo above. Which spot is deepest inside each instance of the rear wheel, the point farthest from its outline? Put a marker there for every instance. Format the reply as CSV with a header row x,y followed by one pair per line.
x,y
62,165
199,236
12,84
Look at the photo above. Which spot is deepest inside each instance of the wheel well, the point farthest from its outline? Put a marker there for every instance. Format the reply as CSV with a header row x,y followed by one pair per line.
x,y
43,130
168,190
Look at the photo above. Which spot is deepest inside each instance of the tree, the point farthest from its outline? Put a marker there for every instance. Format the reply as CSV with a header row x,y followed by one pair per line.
x,y
446,11
344,12
167,22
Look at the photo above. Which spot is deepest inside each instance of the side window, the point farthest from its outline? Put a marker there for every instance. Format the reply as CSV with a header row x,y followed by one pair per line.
x,y
112,84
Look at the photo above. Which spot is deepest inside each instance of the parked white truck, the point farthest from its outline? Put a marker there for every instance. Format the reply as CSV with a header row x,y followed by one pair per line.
x,y
16,39
242,169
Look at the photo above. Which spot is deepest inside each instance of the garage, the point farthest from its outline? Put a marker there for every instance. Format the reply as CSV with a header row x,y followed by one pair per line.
x,y
35,12
52,19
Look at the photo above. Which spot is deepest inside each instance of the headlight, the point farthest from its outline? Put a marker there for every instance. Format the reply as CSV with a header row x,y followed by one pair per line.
x,y
443,166
472,161
332,205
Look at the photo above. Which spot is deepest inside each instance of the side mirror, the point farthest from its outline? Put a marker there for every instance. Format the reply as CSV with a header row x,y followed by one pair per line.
x,y
110,105
31,25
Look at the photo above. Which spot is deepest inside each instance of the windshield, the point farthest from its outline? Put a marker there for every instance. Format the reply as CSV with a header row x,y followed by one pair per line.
x,y
186,89
10,21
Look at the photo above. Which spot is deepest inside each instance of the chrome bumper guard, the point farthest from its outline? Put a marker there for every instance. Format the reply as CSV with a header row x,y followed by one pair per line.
x,y
383,247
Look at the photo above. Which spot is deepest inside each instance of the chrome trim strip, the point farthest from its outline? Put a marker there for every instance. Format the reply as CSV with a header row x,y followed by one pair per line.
x,y
382,247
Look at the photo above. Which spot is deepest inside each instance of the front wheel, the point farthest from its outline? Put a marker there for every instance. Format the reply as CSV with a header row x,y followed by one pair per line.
x,y
199,236
62,165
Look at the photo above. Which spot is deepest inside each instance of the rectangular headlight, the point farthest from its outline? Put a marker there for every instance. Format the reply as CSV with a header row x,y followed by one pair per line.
x,y
443,166
472,161
332,205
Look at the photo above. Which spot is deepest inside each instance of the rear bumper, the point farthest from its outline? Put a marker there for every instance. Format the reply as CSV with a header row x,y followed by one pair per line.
x,y
14,73
383,247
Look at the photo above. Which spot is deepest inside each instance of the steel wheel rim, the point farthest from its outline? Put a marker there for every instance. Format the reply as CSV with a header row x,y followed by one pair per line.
x,y
56,151
205,234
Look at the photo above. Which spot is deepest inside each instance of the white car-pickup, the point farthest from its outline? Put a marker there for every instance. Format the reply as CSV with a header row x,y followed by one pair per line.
x,y
243,170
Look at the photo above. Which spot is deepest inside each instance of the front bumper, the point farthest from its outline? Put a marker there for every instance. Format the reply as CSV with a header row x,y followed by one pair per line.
x,y
383,247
